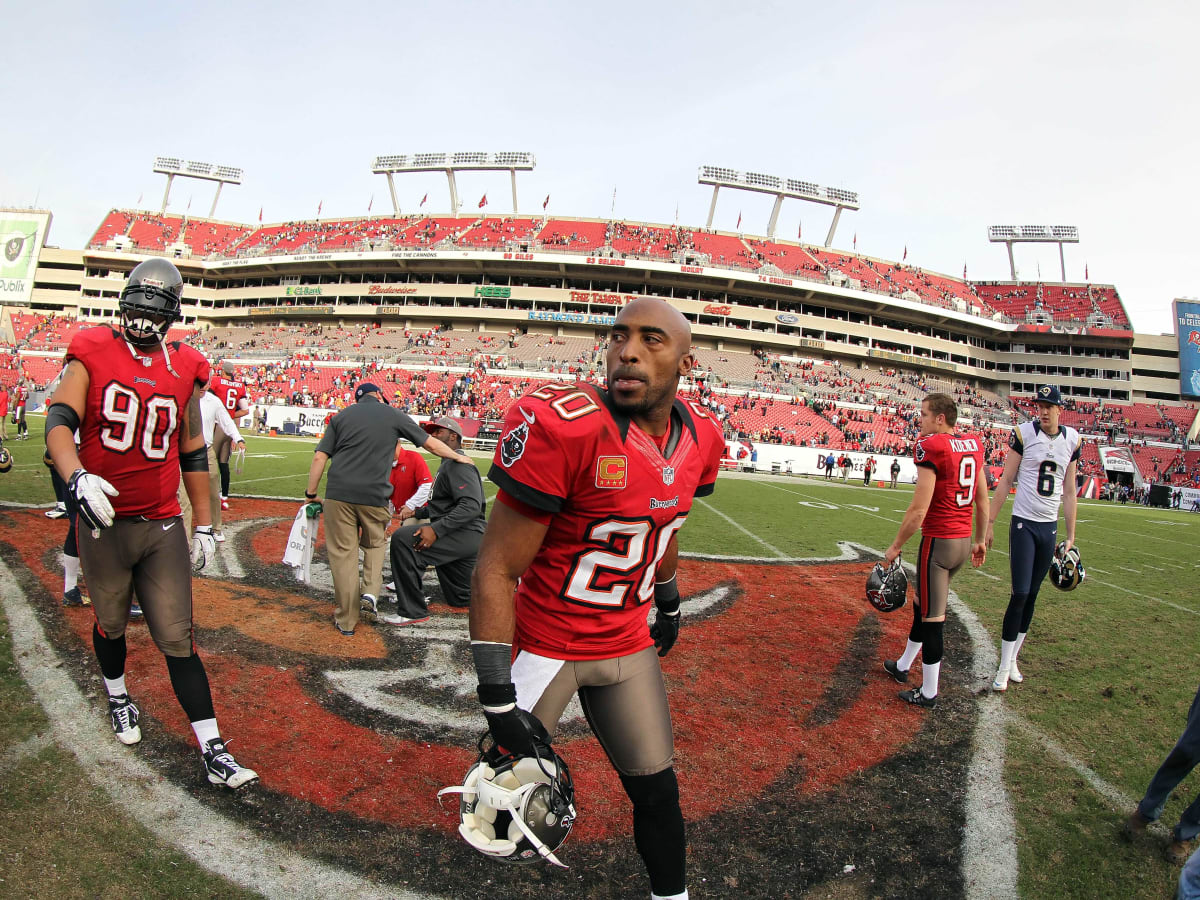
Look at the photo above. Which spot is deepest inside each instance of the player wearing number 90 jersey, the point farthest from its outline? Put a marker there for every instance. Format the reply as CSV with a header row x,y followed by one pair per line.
x,y
129,430
612,499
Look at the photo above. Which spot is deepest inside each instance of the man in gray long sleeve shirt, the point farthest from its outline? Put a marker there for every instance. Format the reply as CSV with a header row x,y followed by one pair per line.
x,y
450,543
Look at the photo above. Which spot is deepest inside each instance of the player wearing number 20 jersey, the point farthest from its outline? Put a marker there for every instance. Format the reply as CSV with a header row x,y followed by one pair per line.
x,y
129,431
613,499
595,485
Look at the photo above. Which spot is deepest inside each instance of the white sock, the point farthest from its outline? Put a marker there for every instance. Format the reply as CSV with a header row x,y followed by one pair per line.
x,y
115,686
1008,652
654,896
70,572
929,686
911,649
1019,641
206,730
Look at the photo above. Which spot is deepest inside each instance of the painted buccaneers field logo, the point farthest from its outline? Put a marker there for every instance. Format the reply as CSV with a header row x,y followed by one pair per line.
x,y
774,692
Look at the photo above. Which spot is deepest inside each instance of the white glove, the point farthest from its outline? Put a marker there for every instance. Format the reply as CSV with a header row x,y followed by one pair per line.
x,y
89,492
204,546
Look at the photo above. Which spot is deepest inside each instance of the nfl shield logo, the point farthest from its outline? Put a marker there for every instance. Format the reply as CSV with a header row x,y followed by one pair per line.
x,y
668,475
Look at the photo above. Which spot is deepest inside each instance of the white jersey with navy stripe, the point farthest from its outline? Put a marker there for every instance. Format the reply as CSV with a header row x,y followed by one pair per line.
x,y
1044,462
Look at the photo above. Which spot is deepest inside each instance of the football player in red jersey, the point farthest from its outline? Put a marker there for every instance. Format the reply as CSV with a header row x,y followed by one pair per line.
x,y
232,393
135,401
594,487
951,485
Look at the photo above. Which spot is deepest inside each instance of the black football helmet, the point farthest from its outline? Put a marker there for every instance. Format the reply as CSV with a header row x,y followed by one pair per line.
x,y
516,809
150,301
887,588
6,460
1066,569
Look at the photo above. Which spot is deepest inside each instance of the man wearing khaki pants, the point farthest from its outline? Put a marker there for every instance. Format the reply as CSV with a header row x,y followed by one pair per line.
x,y
358,445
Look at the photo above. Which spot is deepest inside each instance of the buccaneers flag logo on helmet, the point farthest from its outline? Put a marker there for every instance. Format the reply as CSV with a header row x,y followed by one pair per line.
x,y
887,588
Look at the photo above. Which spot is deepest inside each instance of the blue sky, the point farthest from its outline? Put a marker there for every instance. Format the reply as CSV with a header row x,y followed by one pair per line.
x,y
945,117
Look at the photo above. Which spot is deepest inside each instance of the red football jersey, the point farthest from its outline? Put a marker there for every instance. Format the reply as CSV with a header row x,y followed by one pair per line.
x,y
956,460
129,434
409,472
613,502
230,392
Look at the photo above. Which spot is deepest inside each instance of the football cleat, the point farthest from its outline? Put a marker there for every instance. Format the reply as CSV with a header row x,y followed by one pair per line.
x,y
393,619
516,809
222,768
76,597
59,512
1066,569
890,666
135,610
368,603
916,698
1014,674
887,588
124,716
1000,682
224,503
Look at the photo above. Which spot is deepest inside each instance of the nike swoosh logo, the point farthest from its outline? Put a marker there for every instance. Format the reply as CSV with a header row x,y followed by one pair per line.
x,y
527,416
168,526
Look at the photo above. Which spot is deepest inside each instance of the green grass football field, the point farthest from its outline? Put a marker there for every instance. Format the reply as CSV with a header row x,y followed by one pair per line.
x,y
1110,672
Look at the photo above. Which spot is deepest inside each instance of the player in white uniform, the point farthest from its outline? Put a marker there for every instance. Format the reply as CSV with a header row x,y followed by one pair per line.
x,y
1042,459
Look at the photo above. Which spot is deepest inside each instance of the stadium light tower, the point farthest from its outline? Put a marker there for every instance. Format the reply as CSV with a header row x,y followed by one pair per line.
x,y
778,187
222,175
507,161
1034,234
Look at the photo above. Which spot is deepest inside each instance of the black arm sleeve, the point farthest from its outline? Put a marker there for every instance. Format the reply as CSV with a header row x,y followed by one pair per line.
x,y
61,414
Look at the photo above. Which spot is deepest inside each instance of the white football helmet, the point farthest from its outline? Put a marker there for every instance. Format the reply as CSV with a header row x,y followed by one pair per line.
x,y
516,809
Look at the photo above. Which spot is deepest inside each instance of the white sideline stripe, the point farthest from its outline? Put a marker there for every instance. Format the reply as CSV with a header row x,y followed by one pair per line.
x,y
746,531
990,865
167,811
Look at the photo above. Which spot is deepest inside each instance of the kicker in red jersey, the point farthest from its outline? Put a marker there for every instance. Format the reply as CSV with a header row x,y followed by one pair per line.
x,y
613,502
135,408
957,459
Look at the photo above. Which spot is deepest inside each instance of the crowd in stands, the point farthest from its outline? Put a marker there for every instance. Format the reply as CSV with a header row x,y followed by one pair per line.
x,y
206,238
758,396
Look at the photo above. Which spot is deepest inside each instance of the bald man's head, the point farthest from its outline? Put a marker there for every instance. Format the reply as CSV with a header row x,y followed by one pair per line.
x,y
649,349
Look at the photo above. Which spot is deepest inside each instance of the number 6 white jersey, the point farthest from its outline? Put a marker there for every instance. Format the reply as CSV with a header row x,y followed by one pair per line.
x,y
1044,462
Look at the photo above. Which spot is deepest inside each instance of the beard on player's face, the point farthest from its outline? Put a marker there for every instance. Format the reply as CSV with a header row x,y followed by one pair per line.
x,y
648,396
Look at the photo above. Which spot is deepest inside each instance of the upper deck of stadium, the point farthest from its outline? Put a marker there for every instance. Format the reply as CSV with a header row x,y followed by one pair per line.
x,y
1036,304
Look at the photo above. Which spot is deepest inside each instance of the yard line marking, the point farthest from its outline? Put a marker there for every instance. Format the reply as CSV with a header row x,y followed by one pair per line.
x,y
1117,587
1127,569
746,531
31,746
1116,798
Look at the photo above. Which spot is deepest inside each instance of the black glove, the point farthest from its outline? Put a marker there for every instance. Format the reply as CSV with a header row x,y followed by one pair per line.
x,y
665,630
512,728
